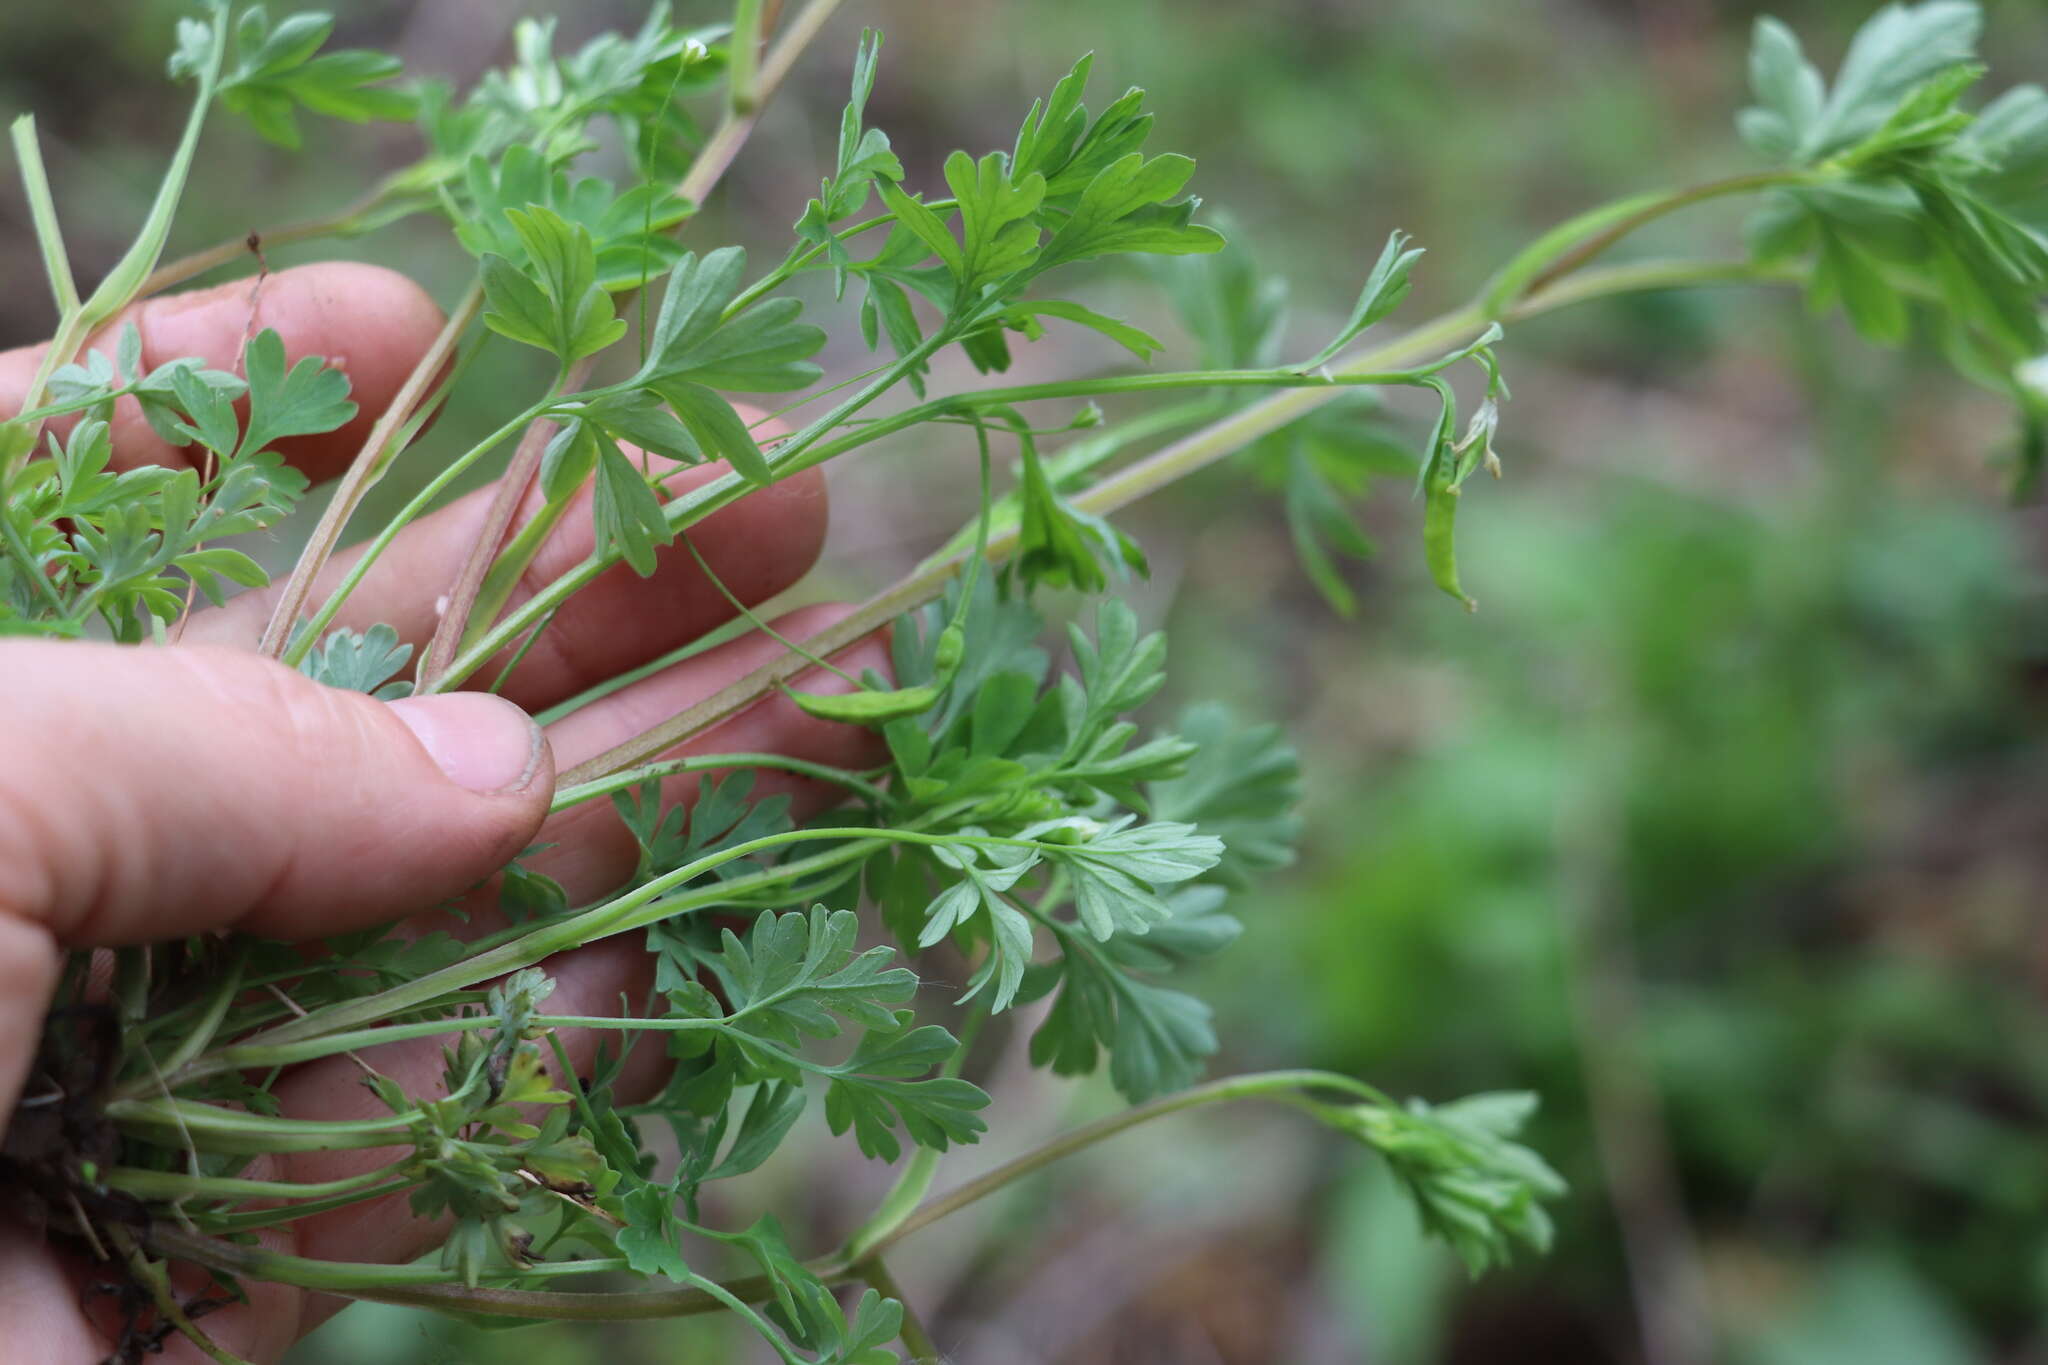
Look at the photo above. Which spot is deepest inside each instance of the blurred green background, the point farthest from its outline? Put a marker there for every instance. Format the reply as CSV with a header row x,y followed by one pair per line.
x,y
1724,825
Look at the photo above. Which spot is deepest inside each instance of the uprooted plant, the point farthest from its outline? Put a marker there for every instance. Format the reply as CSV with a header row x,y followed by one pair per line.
x,y
1022,821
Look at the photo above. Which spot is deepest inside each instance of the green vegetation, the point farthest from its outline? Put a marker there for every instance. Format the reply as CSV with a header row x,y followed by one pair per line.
x,y
1030,822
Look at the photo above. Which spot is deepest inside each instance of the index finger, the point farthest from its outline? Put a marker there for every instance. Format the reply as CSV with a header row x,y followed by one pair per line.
x,y
374,324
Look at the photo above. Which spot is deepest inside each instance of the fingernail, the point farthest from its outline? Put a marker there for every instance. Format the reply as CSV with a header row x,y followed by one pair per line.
x,y
482,743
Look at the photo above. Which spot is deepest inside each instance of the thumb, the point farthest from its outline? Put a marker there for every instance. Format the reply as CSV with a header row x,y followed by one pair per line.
x,y
154,793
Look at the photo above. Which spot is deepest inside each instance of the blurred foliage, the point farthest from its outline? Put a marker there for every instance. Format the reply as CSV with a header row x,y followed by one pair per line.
x,y
1736,791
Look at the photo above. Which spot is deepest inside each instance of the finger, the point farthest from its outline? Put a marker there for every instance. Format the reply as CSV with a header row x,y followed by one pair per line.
x,y
226,790
373,323
758,546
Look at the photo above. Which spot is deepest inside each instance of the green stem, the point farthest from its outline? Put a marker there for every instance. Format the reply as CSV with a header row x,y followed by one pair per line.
x,y
49,410
743,52
753,619
519,655
251,1220
555,1305
795,263
125,281
1263,1085
42,208
566,797
216,1129
344,222
1577,242
175,1185
341,1277
122,284
1638,277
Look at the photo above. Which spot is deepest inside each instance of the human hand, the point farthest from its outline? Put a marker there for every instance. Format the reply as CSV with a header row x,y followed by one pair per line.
x,y
155,793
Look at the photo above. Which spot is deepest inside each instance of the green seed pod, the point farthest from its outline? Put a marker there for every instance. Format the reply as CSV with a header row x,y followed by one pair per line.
x,y
950,650
1439,527
866,708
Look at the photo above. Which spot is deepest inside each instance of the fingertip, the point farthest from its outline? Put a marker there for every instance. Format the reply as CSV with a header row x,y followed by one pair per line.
x,y
480,742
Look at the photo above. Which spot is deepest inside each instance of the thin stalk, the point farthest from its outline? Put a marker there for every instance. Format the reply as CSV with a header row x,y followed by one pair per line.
x,y
1262,1085
250,1220
42,208
754,620
175,1185
340,1277
1612,223
341,223
182,1122
725,142
203,1029
93,400
794,263
261,1056
743,53
519,655
565,797
124,281
473,581
379,448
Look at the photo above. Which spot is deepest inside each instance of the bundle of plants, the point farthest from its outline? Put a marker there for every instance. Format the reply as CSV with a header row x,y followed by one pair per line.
x,y
1024,840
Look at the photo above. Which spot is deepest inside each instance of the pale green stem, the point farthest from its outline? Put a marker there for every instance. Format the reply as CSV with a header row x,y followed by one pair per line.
x,y
174,1185
341,1277
566,797
342,223
125,281
202,1030
42,208
743,52
1263,1085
